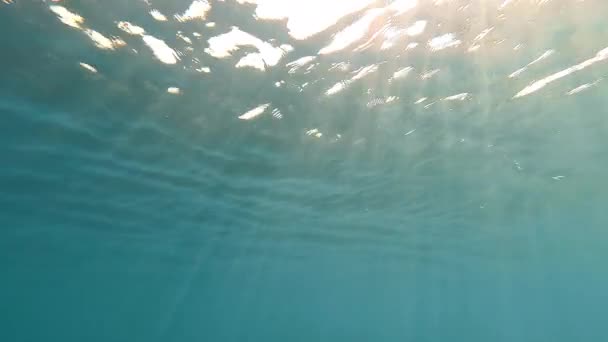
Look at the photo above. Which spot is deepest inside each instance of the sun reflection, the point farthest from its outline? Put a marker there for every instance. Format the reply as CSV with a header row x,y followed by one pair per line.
x,y
198,10
76,21
383,41
252,113
306,18
88,67
173,90
157,15
582,87
161,50
353,33
545,55
224,45
443,42
537,85
65,16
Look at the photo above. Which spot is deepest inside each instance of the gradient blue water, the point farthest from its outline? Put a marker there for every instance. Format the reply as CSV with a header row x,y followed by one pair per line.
x,y
128,213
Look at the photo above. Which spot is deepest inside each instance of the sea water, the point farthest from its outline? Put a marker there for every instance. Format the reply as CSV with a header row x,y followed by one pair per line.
x,y
346,170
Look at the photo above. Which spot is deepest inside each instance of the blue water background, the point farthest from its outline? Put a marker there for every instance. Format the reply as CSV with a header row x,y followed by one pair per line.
x,y
131,214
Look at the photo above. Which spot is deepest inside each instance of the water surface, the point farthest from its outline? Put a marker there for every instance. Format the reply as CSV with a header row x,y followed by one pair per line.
x,y
265,170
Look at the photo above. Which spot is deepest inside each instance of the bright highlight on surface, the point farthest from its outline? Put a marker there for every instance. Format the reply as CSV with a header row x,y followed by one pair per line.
x,y
173,90
161,50
375,28
307,18
157,15
197,10
257,111
88,67
224,45
537,85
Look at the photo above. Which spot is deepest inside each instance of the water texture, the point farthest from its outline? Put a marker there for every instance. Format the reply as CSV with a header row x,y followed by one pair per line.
x,y
286,170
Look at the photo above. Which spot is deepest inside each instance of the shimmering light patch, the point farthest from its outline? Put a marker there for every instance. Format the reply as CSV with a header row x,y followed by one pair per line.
x,y
401,73
365,71
410,132
198,10
298,63
387,45
475,45
504,4
385,28
181,36
161,50
210,24
483,34
375,102
457,97
416,28
411,45
359,74
537,85
276,113
543,56
443,42
74,20
517,72
352,33
580,88
402,6
157,15
306,18
381,101
254,60
100,40
336,88
223,45
342,66
205,70
130,28
420,100
173,90
286,47
67,17
392,34
88,67
314,132
118,42
257,111
429,74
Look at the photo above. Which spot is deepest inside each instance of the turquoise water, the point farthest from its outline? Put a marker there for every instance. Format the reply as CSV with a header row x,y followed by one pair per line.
x,y
303,171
